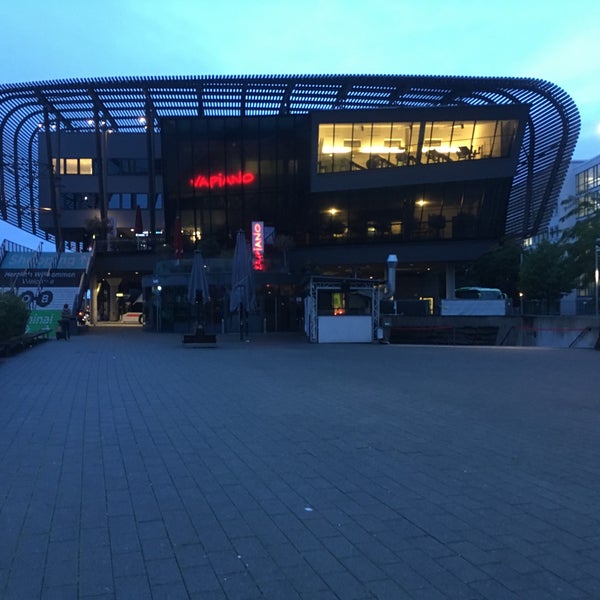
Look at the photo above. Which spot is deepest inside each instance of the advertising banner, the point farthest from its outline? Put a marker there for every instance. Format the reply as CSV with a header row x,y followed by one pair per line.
x,y
53,299
33,277
42,319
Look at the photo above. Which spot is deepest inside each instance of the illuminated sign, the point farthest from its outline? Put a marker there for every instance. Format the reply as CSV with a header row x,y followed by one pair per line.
x,y
221,180
258,245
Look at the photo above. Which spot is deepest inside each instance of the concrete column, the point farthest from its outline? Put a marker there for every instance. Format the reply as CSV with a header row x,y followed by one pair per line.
x,y
93,299
113,283
450,281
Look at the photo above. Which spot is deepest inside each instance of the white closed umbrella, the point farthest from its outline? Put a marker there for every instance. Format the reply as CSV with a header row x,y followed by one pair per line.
x,y
243,294
198,292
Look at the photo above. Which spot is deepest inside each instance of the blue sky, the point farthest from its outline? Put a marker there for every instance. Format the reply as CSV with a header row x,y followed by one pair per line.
x,y
556,41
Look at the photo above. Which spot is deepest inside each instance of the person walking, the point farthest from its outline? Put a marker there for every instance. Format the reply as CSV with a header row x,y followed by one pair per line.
x,y
65,321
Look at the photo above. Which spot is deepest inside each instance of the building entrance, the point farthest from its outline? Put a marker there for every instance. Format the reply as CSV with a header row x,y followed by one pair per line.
x,y
282,308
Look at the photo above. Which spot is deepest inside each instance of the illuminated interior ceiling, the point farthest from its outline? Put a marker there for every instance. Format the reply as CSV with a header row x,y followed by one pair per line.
x,y
126,104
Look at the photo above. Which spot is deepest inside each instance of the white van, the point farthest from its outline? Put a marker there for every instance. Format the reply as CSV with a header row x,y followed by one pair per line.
x,y
476,301
136,317
479,293
135,314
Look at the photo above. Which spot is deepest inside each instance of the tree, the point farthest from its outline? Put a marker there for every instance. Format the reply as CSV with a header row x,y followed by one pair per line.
x,y
498,268
581,239
546,272
13,316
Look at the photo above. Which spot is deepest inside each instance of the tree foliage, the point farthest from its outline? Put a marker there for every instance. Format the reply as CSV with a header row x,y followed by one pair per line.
x,y
13,316
498,268
546,272
580,240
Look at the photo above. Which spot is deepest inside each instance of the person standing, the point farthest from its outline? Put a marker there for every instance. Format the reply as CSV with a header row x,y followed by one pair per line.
x,y
65,321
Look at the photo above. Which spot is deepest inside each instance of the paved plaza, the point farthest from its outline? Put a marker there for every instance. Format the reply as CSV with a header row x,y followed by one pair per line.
x,y
134,467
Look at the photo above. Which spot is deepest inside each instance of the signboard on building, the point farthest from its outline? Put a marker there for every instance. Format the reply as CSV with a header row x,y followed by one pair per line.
x,y
258,245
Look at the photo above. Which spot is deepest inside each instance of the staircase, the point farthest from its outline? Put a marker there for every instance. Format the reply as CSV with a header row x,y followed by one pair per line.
x,y
45,280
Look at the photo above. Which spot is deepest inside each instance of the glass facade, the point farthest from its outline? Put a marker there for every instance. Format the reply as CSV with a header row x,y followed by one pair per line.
x,y
357,146
459,210
588,191
220,174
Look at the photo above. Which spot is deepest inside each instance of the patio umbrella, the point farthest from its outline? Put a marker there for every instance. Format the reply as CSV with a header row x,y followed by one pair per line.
x,y
139,226
178,239
242,282
198,293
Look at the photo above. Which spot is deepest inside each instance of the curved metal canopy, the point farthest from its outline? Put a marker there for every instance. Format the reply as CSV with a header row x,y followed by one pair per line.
x,y
124,103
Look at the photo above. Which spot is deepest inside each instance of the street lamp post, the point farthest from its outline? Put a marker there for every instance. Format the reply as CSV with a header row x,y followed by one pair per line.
x,y
596,274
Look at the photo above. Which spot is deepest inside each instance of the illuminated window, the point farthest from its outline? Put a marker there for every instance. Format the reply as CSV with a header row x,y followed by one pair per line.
x,y
337,303
85,166
71,166
346,147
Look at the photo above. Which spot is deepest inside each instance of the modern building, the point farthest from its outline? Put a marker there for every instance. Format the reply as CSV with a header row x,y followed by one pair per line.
x,y
338,172
579,199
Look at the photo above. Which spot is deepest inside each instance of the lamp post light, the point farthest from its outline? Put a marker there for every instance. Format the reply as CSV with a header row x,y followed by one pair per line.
x,y
596,274
521,300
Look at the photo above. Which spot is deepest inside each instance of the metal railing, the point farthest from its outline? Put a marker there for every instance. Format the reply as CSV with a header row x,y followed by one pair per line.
x,y
128,245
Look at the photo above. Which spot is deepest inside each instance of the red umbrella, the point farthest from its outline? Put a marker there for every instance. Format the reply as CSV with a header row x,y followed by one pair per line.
x,y
139,226
178,239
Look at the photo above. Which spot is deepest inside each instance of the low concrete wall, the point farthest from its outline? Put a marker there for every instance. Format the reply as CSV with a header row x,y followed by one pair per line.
x,y
543,331
560,331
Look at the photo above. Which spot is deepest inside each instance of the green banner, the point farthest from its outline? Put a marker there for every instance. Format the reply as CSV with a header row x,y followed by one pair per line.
x,y
42,319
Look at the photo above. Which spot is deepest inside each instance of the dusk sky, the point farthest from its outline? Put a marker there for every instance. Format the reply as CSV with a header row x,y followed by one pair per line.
x,y
556,41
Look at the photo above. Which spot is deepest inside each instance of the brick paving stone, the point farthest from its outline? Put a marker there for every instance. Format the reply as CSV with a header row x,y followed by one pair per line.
x,y
156,548
132,586
345,584
363,569
199,579
62,592
340,547
226,562
263,569
278,590
163,571
151,530
304,578
462,569
282,469
492,589
169,591
240,586
209,595
60,571
285,555
387,589
129,565
322,561
405,575
190,555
